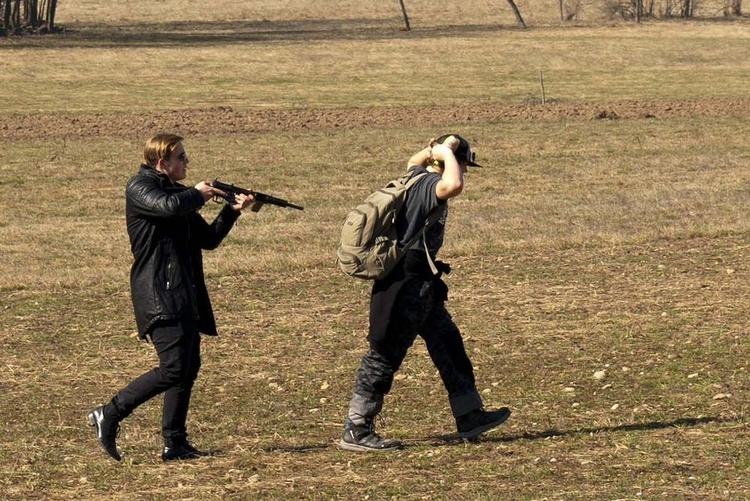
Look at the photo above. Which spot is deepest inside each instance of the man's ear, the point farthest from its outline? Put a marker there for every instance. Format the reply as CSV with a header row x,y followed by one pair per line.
x,y
159,165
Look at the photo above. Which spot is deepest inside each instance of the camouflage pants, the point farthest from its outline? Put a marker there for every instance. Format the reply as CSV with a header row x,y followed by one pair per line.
x,y
415,313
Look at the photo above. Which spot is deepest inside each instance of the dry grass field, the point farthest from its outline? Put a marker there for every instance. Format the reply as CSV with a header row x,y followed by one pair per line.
x,y
600,258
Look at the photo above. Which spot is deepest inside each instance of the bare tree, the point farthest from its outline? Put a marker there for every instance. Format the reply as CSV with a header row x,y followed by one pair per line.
x,y
569,9
732,8
688,7
6,16
517,13
406,16
50,10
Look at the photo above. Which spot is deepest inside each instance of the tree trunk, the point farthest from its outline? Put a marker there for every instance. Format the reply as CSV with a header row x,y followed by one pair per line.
x,y
517,13
30,14
406,16
15,16
51,9
687,10
6,14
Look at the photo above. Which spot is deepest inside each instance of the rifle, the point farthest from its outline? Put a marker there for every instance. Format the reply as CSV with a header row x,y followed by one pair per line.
x,y
260,198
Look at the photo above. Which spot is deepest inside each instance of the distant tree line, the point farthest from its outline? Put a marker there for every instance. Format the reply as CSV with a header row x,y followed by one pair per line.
x,y
626,9
20,16
638,9
38,16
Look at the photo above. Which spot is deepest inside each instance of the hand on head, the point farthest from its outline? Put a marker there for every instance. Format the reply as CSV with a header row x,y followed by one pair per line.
x,y
440,151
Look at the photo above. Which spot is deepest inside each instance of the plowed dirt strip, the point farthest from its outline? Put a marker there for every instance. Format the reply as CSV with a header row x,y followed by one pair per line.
x,y
224,120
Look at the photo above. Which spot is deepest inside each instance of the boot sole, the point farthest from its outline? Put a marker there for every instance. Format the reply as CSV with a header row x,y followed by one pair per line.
x,y
361,448
468,435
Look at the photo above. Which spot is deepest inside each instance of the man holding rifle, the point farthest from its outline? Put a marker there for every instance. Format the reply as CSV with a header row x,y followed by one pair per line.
x,y
172,306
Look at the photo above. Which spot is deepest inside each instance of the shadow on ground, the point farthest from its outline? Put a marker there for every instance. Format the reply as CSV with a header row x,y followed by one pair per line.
x,y
237,32
452,439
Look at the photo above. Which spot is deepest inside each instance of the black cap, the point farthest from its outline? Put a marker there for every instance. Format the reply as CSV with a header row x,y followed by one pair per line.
x,y
463,153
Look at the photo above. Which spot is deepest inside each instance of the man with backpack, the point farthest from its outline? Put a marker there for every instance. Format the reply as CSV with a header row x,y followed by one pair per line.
x,y
409,301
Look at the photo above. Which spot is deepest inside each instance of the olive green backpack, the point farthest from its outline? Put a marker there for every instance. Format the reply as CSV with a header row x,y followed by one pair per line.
x,y
369,244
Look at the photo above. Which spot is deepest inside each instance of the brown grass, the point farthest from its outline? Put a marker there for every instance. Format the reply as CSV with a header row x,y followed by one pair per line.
x,y
584,246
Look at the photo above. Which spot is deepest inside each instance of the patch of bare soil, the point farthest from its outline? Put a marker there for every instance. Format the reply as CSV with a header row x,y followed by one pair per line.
x,y
225,120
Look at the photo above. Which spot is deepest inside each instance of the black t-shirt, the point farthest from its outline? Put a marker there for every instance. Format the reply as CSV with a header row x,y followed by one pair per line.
x,y
420,202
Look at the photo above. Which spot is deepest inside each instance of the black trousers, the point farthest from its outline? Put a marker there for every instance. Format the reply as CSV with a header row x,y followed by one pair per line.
x,y
417,311
178,347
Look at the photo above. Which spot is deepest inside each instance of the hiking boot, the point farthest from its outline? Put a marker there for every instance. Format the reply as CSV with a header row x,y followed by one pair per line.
x,y
106,431
182,451
478,421
364,439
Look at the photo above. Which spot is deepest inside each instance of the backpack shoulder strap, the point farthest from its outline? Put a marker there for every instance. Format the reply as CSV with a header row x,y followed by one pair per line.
x,y
410,179
431,220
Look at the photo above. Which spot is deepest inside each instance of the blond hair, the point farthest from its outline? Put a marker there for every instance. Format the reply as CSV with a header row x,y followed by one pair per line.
x,y
160,147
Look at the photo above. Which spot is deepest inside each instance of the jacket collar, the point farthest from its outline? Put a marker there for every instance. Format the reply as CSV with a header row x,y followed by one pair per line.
x,y
148,171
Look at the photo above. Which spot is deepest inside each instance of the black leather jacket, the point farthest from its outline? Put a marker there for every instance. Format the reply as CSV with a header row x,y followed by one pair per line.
x,y
167,236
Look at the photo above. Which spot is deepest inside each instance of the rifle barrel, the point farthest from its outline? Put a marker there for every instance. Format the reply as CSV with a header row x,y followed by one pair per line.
x,y
263,198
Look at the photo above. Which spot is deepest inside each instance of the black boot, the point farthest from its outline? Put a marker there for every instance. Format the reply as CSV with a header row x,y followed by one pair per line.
x,y
181,449
478,421
106,431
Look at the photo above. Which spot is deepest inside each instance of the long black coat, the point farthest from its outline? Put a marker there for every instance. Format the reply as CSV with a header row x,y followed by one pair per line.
x,y
167,236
